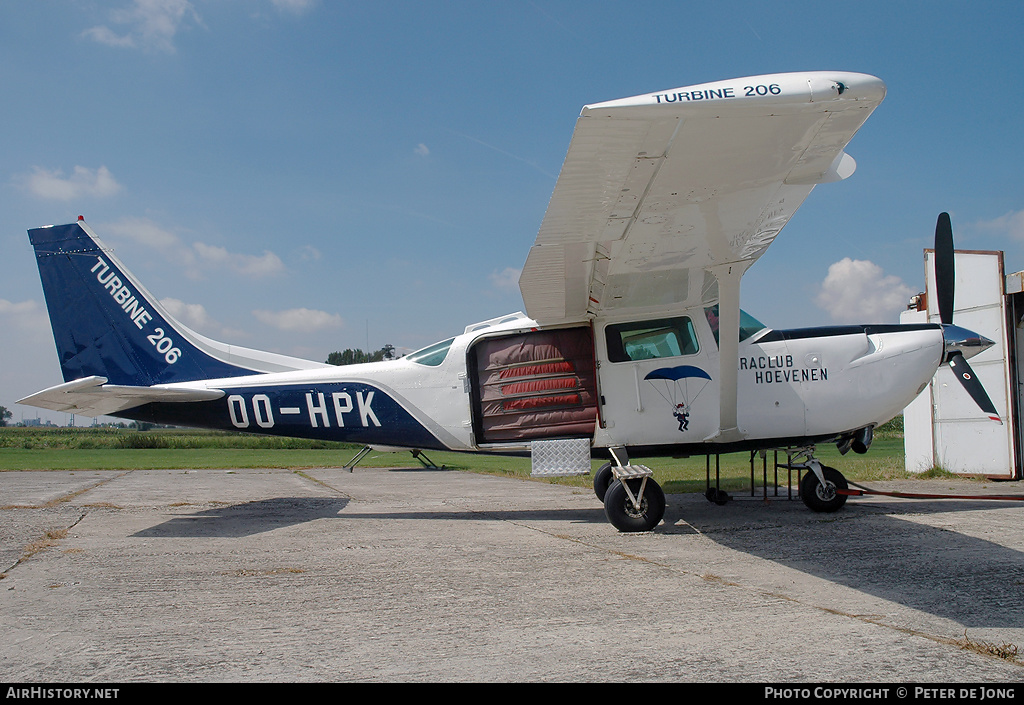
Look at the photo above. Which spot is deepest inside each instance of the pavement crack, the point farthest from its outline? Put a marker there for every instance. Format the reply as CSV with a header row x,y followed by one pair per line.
x,y
321,483
48,539
52,536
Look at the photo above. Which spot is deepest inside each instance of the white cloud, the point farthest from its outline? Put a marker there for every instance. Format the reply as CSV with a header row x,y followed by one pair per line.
x,y
105,35
150,25
301,320
197,256
192,315
309,253
83,182
422,150
295,6
251,265
22,307
27,318
860,291
507,279
26,348
1011,224
145,232
198,319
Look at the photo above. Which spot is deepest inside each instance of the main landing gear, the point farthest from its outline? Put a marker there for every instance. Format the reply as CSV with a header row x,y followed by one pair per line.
x,y
633,501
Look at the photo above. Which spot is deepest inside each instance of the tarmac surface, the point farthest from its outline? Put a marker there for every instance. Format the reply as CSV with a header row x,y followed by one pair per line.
x,y
427,575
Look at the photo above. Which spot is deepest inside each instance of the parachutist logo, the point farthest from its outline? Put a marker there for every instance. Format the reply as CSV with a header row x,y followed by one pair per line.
x,y
679,387
682,413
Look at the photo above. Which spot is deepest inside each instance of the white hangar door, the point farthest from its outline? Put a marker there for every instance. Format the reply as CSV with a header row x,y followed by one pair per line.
x,y
943,426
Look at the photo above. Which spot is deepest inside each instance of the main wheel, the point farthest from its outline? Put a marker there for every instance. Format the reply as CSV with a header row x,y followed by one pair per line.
x,y
603,479
619,509
823,499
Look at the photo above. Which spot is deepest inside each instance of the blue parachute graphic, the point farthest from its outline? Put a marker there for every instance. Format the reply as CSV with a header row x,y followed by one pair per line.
x,y
679,387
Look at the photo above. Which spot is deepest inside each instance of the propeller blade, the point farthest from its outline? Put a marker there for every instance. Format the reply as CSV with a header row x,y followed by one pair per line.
x,y
970,382
944,269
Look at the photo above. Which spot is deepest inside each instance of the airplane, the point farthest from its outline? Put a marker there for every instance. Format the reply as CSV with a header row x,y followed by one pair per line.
x,y
633,340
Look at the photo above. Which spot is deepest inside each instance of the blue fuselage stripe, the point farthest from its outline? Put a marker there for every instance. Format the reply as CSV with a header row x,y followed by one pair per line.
x,y
345,411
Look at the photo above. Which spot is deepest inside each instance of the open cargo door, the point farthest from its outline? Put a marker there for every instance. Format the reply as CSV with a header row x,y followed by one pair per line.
x,y
533,385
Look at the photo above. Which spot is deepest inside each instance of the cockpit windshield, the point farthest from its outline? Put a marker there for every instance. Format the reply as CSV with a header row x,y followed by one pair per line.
x,y
432,355
749,326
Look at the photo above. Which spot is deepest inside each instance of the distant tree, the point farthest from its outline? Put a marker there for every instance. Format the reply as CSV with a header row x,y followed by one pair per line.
x,y
348,357
4,415
351,356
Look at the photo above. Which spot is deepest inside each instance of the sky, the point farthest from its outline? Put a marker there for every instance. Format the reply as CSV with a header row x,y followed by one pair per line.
x,y
305,176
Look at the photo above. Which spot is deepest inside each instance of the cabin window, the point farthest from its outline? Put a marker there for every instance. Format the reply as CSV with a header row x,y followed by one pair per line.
x,y
432,355
648,340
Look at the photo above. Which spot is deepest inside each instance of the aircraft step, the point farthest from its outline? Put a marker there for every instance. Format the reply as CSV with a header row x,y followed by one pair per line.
x,y
560,457
631,472
622,469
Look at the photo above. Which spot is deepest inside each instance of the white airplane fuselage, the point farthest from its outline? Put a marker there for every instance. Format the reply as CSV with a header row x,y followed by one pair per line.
x,y
793,387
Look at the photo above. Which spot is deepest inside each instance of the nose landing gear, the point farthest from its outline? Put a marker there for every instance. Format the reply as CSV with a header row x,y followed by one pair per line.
x,y
822,489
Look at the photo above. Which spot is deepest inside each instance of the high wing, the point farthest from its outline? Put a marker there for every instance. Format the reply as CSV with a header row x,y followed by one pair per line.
x,y
659,192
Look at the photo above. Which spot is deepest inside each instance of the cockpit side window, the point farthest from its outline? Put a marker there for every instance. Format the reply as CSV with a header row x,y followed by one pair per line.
x,y
647,340
432,355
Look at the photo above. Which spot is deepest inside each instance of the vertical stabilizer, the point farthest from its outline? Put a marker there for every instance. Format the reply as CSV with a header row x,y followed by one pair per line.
x,y
106,324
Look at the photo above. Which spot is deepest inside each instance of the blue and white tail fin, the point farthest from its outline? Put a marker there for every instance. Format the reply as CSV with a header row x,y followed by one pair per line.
x,y
105,323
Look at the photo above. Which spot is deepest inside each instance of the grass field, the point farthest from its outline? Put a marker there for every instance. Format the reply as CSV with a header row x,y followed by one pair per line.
x,y
123,449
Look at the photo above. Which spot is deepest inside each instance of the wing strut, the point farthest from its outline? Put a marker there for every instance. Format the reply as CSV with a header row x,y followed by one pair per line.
x,y
728,276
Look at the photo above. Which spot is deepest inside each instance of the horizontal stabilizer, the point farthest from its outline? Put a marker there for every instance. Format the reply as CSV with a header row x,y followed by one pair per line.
x,y
92,396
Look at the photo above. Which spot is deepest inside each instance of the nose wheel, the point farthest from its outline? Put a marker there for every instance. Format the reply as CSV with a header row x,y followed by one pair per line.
x,y
821,488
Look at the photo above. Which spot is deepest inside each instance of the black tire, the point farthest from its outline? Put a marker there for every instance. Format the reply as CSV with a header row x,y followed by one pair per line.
x,y
603,479
719,497
624,517
823,499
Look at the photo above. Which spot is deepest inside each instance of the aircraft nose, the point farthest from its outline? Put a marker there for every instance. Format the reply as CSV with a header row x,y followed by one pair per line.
x,y
963,341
